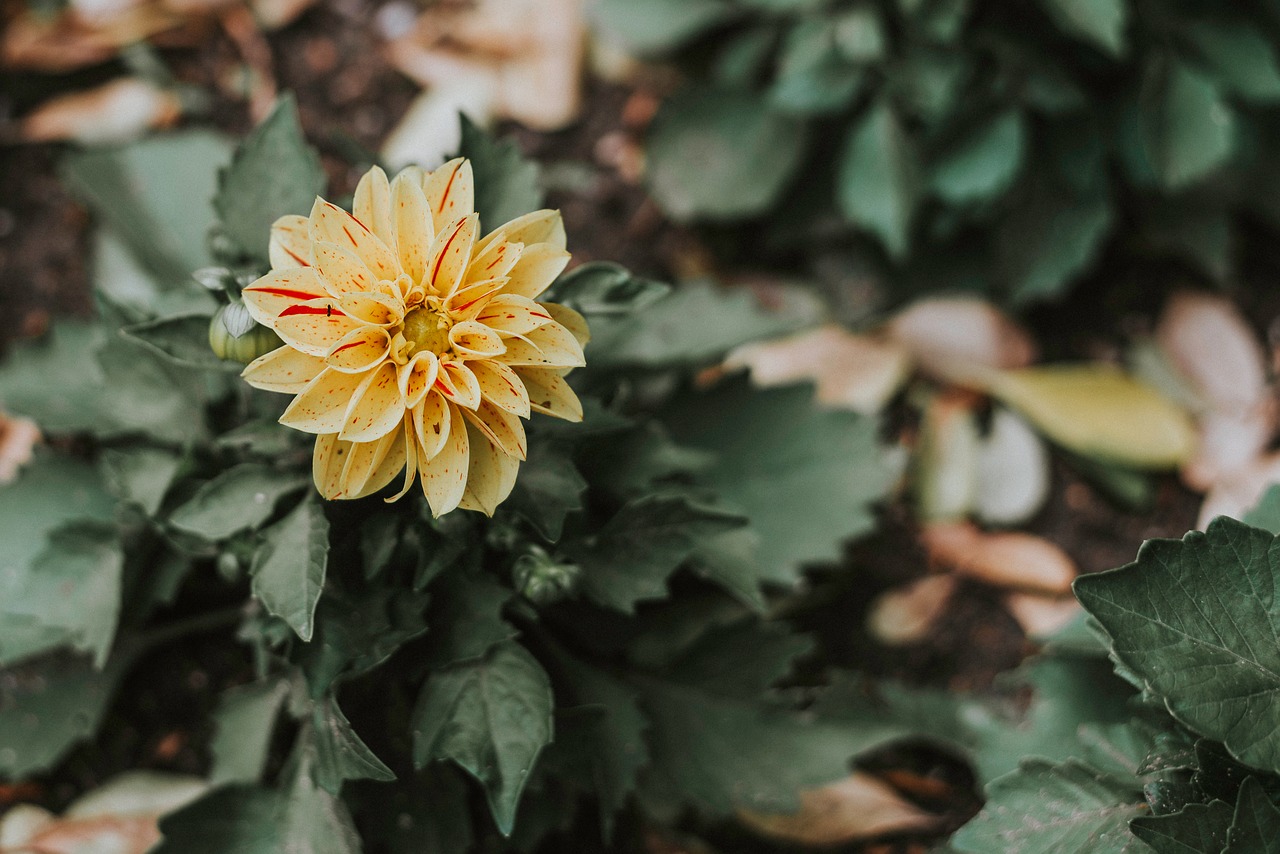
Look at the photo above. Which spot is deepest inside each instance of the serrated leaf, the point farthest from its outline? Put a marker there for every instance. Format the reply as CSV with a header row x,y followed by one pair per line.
x,y
182,339
549,488
878,183
1188,129
983,163
340,754
649,26
1266,513
139,475
466,619
506,184
289,567
238,499
1196,829
492,717
631,557
355,634
243,724
602,288
274,172
721,154
805,477
1255,827
1196,621
1101,22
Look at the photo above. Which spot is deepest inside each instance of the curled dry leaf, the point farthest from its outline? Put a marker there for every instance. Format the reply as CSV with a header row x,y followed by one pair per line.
x,y
1238,492
528,52
857,807
1041,616
120,817
18,440
114,112
955,338
1012,471
906,614
87,33
1008,559
849,371
1229,441
947,457
1099,411
1211,345
430,130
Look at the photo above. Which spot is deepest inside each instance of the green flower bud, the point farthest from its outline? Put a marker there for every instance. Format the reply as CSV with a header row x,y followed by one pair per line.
x,y
542,579
234,335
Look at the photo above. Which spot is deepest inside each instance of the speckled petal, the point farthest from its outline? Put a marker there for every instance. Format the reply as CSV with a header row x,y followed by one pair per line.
x,y
472,299
449,255
501,386
409,461
550,394
314,326
450,192
513,315
414,229
279,289
327,463
322,406
444,476
376,408
372,205
359,350
332,224
283,369
493,261
290,244
341,271
544,226
473,340
491,474
417,376
549,346
377,309
503,429
362,459
431,420
538,267
459,386
570,320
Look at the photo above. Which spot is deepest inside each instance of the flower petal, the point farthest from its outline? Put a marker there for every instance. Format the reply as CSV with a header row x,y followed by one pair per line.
x,y
494,260
459,386
414,229
550,394
372,465
544,226
449,255
332,224
409,460
444,476
342,271
327,463
283,369
501,386
314,326
538,267
570,320
359,350
322,406
372,205
376,408
290,244
491,474
450,192
513,315
475,340
503,429
548,346
431,421
471,299
417,376
278,290
377,309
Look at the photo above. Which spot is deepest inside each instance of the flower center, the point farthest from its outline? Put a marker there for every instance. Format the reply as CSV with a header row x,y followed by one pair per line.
x,y
426,329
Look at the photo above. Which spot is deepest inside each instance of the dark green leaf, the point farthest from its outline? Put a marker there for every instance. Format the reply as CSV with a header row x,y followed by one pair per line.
x,y
814,76
1255,827
601,288
355,634
1188,129
492,717
1266,513
648,26
983,163
1241,57
549,488
183,339
140,475
273,173
1049,240
1197,829
240,498
289,567
466,619
243,724
506,184
340,754
1101,22
878,184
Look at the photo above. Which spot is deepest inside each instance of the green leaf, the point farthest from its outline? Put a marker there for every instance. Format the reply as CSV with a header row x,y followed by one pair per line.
x,y
48,705
631,557
492,717
466,619
241,498
814,76
602,288
549,488
155,195
983,163
1043,808
878,184
340,754
182,339
1101,22
1266,513
1242,58
243,724
273,173
1255,827
506,184
649,26
139,475
1196,829
805,477
1188,129
1196,621
1049,240
721,154
355,634
289,567
394,815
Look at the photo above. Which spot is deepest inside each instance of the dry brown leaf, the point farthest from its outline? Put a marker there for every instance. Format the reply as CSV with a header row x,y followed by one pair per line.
x,y
1229,441
850,371
1238,492
906,614
1211,344
956,337
18,439
1009,559
73,38
114,112
858,807
1041,616
946,461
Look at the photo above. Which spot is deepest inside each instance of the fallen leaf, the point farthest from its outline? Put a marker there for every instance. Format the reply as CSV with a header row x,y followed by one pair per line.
x,y
1098,411
955,337
73,38
1211,344
430,130
906,614
114,112
1237,493
1229,441
1007,559
1041,616
858,807
946,460
1012,471
18,439
849,371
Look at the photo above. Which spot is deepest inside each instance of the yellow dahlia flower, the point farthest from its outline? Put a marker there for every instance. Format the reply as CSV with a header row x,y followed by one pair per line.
x,y
414,344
